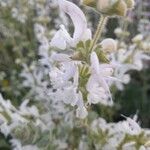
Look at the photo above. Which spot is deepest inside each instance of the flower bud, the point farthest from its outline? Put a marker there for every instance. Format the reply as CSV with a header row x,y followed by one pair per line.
x,y
130,3
110,7
109,45
137,38
103,5
91,3
119,8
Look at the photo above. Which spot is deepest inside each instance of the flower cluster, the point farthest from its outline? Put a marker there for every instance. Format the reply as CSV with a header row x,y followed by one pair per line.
x,y
80,78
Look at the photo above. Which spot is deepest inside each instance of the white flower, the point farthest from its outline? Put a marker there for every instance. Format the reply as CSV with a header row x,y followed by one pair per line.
x,y
97,85
81,111
130,126
26,110
96,93
70,93
67,90
81,32
121,68
60,76
138,60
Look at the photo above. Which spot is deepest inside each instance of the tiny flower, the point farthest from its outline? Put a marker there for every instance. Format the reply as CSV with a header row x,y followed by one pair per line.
x,y
109,45
130,126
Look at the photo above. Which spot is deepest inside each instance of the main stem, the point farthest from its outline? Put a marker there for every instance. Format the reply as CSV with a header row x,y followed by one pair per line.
x,y
101,25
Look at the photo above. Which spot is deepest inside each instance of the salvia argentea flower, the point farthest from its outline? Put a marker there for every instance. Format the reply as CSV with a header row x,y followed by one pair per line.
x,y
81,32
97,85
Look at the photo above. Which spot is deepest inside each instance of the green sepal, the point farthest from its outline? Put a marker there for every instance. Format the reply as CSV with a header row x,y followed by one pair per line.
x,y
101,55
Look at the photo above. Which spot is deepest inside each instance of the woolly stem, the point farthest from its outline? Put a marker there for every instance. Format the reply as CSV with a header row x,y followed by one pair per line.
x,y
101,25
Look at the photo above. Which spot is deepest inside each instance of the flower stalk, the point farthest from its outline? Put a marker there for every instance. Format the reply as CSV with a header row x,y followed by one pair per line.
x,y
101,25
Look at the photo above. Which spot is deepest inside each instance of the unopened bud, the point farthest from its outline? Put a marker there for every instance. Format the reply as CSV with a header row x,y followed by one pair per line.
x,y
119,8
111,7
130,3
91,3
103,5
109,45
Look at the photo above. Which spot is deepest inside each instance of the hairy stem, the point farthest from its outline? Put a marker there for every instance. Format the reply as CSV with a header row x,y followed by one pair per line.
x,y
101,25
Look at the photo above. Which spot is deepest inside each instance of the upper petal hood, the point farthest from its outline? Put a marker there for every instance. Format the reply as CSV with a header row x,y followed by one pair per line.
x,y
77,17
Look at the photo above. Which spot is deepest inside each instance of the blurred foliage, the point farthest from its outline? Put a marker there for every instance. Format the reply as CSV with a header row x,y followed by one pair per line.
x,y
17,44
136,96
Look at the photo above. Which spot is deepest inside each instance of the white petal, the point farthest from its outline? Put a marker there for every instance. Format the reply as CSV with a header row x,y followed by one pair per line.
x,y
60,57
90,83
81,112
76,16
58,40
106,87
106,72
80,102
76,78
66,34
95,63
87,35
